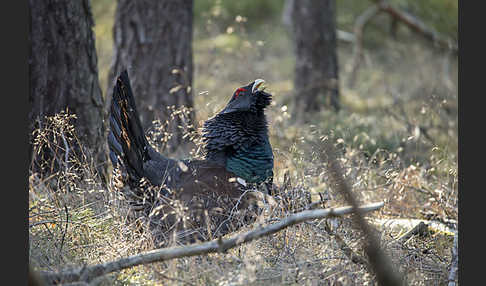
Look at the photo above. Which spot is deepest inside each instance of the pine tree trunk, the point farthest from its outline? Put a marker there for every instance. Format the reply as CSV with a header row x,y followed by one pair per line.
x,y
153,41
63,72
316,68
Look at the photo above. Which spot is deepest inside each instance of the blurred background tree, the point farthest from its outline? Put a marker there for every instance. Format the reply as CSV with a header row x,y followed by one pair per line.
x,y
316,79
63,69
153,40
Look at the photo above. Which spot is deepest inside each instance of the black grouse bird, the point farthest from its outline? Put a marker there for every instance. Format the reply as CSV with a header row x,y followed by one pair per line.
x,y
237,157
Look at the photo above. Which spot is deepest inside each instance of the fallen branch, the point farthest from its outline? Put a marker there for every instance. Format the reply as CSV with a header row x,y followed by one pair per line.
x,y
221,245
407,224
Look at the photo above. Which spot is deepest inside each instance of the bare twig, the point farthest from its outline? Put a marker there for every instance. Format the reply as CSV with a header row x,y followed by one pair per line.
x,y
218,245
65,230
162,275
66,152
233,210
53,221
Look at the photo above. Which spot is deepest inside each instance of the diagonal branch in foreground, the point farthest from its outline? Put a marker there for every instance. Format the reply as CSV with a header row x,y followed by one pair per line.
x,y
379,261
88,273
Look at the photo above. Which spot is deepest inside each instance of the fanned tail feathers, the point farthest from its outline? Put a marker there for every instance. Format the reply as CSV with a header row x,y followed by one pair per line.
x,y
126,140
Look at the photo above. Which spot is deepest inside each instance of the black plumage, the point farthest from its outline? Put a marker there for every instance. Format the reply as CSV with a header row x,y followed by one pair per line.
x,y
238,157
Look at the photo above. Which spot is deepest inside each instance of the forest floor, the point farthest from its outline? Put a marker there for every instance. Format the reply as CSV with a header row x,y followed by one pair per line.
x,y
396,137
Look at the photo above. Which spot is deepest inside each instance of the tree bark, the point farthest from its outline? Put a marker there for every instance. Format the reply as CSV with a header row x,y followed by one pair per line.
x,y
63,70
153,41
316,68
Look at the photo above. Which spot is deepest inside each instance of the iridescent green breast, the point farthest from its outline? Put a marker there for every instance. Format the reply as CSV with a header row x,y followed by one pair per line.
x,y
254,164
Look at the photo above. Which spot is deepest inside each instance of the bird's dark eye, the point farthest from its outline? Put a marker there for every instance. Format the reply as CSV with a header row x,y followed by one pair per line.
x,y
237,92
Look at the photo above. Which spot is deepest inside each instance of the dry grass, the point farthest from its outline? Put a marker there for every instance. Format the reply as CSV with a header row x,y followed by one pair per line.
x,y
396,137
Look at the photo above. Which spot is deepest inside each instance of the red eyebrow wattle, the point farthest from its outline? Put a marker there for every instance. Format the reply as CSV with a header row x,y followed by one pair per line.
x,y
239,90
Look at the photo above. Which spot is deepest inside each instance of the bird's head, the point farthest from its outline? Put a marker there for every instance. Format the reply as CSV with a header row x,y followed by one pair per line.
x,y
249,98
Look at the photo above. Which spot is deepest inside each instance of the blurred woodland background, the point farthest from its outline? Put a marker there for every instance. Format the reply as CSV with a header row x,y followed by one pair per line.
x,y
378,79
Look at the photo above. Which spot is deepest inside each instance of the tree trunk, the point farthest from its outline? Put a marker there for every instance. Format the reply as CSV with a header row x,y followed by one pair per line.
x,y
63,70
316,68
153,41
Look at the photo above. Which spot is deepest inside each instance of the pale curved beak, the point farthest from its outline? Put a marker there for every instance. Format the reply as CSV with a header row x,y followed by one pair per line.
x,y
258,85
